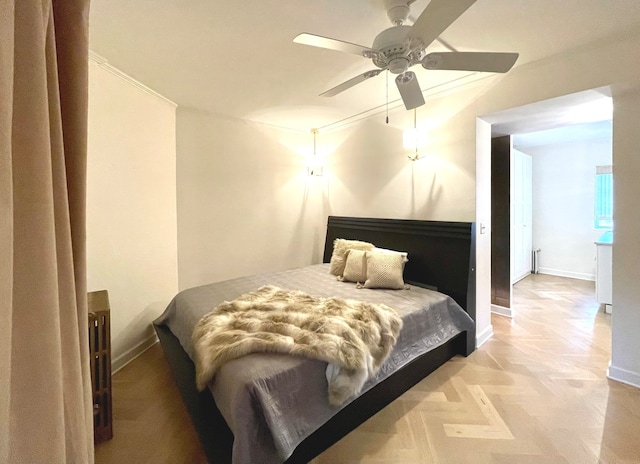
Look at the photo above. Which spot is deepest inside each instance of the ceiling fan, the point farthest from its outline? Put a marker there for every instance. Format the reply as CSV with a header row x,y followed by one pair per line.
x,y
400,47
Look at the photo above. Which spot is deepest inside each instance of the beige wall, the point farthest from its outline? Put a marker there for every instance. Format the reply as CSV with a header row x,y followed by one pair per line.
x,y
370,175
245,202
131,205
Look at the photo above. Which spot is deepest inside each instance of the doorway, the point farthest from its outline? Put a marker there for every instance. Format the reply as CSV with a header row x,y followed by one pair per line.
x,y
550,139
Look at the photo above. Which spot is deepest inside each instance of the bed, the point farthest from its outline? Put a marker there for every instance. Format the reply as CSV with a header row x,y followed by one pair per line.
x,y
441,258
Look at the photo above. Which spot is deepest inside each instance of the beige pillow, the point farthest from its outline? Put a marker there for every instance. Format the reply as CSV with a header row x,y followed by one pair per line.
x,y
405,255
384,270
340,247
355,269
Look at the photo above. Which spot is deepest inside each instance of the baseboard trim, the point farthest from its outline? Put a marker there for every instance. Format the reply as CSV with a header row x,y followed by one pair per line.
x,y
484,336
131,354
520,277
623,376
569,274
502,310
499,301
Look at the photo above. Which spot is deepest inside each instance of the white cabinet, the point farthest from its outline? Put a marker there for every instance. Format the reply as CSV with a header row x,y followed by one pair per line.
x,y
604,281
521,215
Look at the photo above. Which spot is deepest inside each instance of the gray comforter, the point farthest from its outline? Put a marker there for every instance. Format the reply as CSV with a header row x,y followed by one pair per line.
x,y
272,402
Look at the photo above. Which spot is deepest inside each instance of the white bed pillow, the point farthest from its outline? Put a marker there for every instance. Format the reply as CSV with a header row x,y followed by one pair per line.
x,y
355,269
340,247
384,270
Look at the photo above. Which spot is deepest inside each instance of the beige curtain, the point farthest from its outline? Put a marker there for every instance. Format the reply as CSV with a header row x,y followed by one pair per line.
x,y
45,386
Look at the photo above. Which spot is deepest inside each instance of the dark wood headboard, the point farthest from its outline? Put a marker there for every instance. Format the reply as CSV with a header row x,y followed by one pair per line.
x,y
441,254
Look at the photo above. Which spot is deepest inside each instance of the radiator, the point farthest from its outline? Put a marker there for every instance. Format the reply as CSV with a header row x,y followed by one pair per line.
x,y
100,358
535,261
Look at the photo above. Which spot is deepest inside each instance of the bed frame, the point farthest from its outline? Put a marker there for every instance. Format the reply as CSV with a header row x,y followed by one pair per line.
x,y
441,256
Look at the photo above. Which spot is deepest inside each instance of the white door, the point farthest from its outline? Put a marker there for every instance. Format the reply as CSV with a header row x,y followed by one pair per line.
x,y
521,215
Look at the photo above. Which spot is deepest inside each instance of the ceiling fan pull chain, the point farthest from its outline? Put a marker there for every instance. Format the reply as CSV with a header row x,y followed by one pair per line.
x,y
387,77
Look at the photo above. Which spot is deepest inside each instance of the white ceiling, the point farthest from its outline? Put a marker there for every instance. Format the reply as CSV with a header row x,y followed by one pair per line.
x,y
564,134
542,117
238,59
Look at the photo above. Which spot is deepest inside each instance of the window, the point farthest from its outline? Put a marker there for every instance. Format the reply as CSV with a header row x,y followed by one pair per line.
x,y
603,217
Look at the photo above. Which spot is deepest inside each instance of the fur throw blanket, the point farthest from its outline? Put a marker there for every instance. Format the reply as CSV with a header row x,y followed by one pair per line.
x,y
355,336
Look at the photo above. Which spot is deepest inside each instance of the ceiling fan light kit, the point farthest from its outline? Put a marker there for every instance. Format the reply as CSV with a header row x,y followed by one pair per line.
x,y
400,47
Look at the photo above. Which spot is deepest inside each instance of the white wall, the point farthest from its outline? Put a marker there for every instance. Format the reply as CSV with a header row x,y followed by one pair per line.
x,y
131,205
563,205
484,328
625,320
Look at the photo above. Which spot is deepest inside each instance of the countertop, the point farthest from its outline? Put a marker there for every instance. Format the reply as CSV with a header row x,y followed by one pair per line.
x,y
605,239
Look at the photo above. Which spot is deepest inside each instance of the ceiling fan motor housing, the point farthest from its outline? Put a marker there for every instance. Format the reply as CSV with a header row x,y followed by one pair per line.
x,y
392,45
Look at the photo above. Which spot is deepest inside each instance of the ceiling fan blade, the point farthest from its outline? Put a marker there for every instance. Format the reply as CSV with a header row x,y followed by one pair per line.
x,y
470,61
331,44
410,90
351,82
436,17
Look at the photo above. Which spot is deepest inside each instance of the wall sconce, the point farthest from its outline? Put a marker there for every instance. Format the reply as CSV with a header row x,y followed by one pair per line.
x,y
413,139
315,163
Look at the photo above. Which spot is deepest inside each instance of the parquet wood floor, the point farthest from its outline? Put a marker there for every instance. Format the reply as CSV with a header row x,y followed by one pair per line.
x,y
536,392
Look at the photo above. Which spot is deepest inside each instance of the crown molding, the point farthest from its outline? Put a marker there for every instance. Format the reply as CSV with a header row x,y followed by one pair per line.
x,y
104,64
